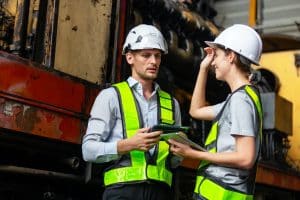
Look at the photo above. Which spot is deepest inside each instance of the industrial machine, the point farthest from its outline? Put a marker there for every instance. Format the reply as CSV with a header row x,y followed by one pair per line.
x,y
54,60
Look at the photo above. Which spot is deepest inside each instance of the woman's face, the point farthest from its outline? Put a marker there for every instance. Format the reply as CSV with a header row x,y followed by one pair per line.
x,y
221,64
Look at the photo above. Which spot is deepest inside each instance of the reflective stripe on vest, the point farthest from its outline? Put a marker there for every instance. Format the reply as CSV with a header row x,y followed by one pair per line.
x,y
212,191
211,142
166,108
211,146
258,106
140,170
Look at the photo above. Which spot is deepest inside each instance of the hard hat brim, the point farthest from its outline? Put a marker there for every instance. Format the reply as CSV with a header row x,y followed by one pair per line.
x,y
211,43
215,44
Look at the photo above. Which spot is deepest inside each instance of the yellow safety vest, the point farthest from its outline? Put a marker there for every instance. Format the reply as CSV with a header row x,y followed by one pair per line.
x,y
139,169
210,188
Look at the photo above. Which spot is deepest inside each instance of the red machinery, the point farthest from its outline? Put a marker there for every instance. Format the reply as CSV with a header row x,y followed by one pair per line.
x,y
44,103
43,116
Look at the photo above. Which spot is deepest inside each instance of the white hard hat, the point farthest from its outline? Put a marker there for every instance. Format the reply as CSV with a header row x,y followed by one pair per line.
x,y
145,37
241,39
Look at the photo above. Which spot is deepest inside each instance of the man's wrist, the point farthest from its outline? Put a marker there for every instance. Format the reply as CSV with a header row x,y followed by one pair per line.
x,y
124,146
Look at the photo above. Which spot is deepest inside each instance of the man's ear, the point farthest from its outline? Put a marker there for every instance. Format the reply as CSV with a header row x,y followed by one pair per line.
x,y
129,58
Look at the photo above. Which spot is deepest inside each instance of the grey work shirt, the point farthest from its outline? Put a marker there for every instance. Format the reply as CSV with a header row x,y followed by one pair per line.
x,y
105,124
239,118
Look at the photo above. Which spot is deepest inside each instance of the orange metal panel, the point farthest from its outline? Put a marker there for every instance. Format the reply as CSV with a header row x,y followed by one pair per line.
x,y
43,102
277,178
189,163
265,175
20,78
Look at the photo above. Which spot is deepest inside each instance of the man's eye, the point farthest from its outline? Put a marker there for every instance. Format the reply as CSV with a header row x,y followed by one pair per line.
x,y
146,55
158,56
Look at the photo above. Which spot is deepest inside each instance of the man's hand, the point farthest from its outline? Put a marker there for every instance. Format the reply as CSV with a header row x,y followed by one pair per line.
x,y
142,140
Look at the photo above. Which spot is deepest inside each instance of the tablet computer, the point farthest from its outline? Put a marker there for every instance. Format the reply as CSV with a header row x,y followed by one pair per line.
x,y
182,138
169,128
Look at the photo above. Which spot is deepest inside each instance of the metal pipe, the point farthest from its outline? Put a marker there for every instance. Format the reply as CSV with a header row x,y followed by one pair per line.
x,y
39,172
259,12
20,28
50,33
116,37
73,162
252,13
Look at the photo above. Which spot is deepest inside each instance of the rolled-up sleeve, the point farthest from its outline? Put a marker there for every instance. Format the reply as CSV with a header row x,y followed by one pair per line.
x,y
98,145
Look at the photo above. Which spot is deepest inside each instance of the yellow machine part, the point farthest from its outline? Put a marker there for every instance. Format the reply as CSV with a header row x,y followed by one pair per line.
x,y
282,64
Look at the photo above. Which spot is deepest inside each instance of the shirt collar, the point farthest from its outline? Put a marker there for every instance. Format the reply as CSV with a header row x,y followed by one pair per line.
x,y
135,84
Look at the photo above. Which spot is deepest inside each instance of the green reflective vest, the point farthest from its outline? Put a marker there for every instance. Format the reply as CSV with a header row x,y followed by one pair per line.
x,y
137,167
213,189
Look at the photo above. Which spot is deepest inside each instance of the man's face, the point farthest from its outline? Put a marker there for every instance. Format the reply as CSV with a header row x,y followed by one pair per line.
x,y
144,63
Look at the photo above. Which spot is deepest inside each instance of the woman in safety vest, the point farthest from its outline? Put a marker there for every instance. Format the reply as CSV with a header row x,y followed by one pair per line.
x,y
119,132
228,168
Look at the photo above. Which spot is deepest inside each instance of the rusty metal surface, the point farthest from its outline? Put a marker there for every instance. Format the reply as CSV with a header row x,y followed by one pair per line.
x,y
266,174
40,102
277,178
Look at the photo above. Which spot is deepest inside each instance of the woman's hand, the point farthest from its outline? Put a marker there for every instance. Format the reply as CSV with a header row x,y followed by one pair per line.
x,y
210,54
179,149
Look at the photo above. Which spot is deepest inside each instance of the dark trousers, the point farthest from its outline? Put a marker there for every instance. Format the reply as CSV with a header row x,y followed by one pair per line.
x,y
198,197
138,191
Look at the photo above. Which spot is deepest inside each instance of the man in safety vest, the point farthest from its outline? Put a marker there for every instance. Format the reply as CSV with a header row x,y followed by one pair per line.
x,y
228,167
119,127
